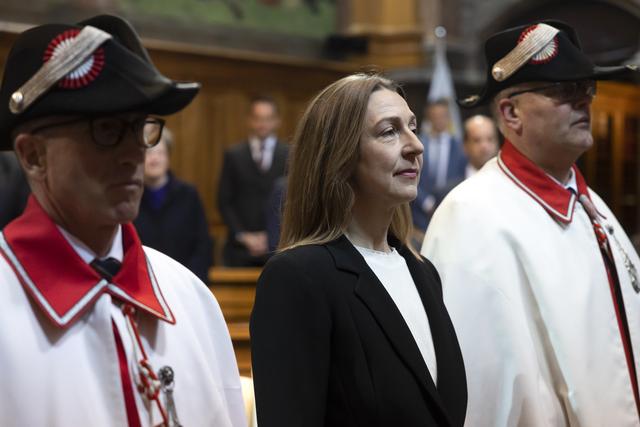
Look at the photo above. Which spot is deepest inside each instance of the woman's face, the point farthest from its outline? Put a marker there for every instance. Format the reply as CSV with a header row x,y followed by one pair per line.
x,y
156,161
390,153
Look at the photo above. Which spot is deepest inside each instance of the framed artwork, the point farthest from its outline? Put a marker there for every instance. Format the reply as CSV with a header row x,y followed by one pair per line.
x,y
296,27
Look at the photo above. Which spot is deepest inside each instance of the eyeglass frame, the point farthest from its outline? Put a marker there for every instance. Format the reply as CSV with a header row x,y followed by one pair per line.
x,y
118,140
593,86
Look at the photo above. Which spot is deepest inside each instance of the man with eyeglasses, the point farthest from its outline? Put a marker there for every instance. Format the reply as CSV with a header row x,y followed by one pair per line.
x,y
539,278
97,329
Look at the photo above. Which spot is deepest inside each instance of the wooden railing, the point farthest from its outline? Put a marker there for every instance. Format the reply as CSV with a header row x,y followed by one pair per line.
x,y
235,290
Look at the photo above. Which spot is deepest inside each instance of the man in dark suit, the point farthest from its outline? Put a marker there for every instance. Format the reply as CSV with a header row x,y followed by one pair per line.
x,y
248,173
444,162
480,145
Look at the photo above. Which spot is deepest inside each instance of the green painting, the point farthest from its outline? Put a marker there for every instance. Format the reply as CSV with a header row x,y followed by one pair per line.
x,y
308,18
297,28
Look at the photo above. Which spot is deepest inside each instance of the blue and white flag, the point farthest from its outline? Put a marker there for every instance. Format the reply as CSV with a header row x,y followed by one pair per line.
x,y
442,83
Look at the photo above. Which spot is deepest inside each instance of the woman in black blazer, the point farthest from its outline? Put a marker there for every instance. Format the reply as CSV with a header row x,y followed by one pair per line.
x,y
349,327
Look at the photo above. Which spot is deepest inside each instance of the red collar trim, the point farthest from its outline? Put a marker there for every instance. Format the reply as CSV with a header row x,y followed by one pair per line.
x,y
554,198
36,250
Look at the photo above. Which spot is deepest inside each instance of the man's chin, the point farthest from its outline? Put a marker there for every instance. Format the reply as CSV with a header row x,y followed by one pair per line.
x,y
586,142
125,212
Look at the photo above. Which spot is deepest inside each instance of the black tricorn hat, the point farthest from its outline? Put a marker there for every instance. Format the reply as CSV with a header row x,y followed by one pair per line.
x,y
548,51
97,66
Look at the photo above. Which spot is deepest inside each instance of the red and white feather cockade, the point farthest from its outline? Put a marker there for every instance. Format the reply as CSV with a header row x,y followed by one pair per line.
x,y
547,53
86,72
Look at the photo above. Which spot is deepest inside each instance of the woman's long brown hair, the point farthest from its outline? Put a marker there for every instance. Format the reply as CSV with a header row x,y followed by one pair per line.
x,y
324,155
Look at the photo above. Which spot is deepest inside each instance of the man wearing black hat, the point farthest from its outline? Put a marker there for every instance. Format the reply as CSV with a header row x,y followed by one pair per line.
x,y
98,330
538,275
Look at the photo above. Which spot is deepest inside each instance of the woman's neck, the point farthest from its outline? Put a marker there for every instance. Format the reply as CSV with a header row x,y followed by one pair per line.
x,y
156,182
369,227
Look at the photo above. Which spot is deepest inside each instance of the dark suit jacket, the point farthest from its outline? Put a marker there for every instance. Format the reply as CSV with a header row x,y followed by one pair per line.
x,y
275,207
330,348
242,197
178,227
427,185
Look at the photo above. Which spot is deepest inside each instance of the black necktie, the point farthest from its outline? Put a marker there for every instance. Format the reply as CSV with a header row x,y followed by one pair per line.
x,y
107,268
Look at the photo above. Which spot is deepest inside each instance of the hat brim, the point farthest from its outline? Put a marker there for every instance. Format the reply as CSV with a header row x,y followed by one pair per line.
x,y
598,73
606,73
176,98
179,95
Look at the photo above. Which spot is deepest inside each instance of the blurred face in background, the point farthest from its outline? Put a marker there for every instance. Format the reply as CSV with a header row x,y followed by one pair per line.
x,y
438,117
156,163
263,119
481,140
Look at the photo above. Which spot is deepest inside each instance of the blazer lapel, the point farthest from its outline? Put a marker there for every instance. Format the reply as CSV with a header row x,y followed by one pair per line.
x,y
250,164
426,171
446,347
277,161
373,294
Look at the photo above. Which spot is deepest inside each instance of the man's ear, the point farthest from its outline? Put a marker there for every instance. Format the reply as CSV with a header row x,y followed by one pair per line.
x,y
31,152
510,114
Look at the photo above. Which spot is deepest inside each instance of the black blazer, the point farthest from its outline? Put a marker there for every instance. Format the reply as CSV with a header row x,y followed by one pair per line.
x,y
330,348
243,193
178,227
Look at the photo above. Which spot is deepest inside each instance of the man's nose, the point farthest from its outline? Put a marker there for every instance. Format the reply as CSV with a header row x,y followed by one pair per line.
x,y
582,100
131,149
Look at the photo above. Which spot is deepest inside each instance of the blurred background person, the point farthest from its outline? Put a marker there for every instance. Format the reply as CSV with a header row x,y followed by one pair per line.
x,y
172,218
444,162
480,143
348,326
14,189
249,171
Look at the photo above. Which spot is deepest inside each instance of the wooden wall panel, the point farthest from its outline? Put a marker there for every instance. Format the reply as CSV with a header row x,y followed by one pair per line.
x,y
217,117
611,166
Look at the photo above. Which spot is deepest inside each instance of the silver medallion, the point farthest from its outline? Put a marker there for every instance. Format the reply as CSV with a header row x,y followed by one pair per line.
x,y
166,376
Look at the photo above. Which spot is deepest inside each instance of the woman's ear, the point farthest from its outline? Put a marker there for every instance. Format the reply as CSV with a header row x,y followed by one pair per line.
x,y
510,115
31,152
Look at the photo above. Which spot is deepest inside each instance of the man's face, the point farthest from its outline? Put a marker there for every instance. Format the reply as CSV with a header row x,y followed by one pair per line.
x,y
263,119
438,116
481,140
89,184
554,123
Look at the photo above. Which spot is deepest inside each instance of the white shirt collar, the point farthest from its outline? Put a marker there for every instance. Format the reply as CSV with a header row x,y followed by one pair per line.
x,y
442,136
571,184
87,255
269,142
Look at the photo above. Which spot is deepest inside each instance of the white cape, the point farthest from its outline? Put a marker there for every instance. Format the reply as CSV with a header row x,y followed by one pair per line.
x,y
55,377
532,307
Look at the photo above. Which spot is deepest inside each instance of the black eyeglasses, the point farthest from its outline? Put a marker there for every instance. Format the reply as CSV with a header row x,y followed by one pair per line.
x,y
108,131
564,91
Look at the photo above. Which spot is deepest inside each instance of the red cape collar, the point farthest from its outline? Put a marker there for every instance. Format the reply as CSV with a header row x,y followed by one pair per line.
x,y
558,201
61,283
